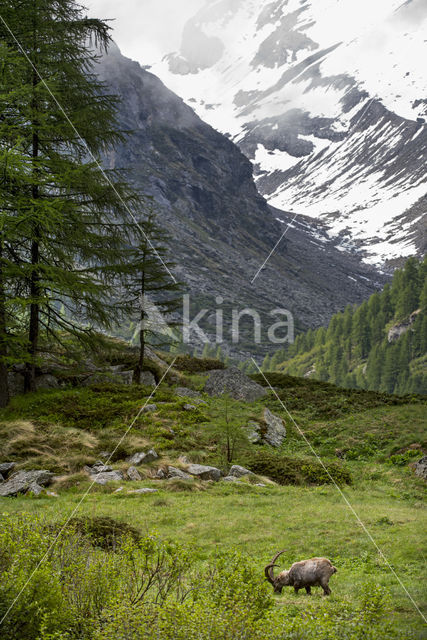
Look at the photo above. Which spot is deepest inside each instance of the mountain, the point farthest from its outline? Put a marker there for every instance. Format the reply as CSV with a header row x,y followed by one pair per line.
x,y
380,345
328,100
222,229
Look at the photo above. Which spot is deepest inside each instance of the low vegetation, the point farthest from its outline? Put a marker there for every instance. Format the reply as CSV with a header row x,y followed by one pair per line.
x,y
187,560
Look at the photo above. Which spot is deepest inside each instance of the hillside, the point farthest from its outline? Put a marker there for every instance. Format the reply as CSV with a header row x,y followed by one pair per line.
x,y
380,345
214,533
222,229
327,103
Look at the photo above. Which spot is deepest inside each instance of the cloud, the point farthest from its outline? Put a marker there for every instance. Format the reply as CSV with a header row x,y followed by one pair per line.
x,y
145,29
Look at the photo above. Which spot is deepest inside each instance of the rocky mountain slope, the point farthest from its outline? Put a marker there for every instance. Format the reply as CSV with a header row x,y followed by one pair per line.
x,y
328,100
222,229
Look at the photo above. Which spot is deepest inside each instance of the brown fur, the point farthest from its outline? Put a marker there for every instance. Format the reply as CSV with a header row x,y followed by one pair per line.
x,y
305,574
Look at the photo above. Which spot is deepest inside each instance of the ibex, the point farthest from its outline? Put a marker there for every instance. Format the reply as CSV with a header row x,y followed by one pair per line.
x,y
302,575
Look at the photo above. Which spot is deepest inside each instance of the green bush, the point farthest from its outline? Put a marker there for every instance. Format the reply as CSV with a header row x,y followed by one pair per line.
x,y
103,531
189,364
296,471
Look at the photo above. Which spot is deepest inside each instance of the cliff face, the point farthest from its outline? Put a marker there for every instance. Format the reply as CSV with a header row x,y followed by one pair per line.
x,y
222,229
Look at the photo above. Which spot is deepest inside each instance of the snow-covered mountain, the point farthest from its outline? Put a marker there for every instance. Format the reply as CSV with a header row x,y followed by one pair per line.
x,y
328,99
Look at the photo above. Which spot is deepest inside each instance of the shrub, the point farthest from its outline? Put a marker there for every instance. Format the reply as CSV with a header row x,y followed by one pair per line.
x,y
297,471
196,365
103,531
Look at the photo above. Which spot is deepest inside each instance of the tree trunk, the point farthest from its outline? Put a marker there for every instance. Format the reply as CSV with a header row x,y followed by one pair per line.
x,y
33,331
139,367
4,385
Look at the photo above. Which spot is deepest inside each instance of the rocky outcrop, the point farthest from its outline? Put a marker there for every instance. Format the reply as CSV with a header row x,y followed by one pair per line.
x,y
142,457
204,472
401,328
237,471
133,474
275,429
147,379
420,468
234,383
6,469
23,481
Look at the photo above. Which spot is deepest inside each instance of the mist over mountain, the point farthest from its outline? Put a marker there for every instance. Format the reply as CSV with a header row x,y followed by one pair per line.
x,y
328,101
222,228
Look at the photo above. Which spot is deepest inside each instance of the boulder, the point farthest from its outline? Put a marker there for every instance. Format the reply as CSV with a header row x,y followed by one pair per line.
x,y
174,472
107,476
15,381
189,407
204,472
35,489
142,457
21,481
235,383
276,430
147,379
111,376
143,490
133,474
149,408
98,467
420,468
253,432
237,471
183,392
46,381
6,468
231,479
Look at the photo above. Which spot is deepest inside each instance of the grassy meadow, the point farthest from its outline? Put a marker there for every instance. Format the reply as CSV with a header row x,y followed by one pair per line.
x,y
62,430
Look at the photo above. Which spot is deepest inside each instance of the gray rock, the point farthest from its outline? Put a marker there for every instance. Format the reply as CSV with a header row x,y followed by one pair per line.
x,y
16,383
46,381
204,472
253,432
143,490
107,476
6,468
143,457
183,392
98,467
1,478
111,376
238,471
133,474
161,474
174,472
259,484
235,383
118,490
189,407
35,489
149,408
420,468
231,479
21,481
147,379
276,430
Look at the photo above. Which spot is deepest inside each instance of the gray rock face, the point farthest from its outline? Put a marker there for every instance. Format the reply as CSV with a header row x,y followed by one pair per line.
x,y
231,479
46,381
6,468
107,476
21,481
420,468
276,430
237,471
147,379
143,490
174,472
235,383
204,472
98,467
149,408
183,392
143,457
133,474
253,432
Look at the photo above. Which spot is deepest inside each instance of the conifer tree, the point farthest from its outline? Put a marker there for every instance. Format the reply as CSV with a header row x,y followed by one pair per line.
x,y
58,119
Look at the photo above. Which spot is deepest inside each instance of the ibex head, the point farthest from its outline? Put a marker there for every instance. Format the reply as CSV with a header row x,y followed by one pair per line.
x,y
280,581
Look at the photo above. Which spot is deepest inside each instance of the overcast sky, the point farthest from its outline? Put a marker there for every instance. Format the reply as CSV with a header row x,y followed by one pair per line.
x,y
145,29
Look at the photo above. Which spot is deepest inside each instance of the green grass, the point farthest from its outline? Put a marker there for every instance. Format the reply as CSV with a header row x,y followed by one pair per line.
x,y
63,430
